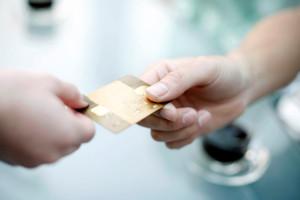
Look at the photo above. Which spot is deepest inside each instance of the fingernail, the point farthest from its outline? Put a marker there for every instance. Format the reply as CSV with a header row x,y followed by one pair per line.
x,y
168,112
188,118
157,90
203,117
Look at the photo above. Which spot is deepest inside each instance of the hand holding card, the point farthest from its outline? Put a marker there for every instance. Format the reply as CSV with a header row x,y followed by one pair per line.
x,y
120,104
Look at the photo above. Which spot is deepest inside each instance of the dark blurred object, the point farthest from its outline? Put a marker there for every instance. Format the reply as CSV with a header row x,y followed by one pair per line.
x,y
230,156
42,18
228,144
40,4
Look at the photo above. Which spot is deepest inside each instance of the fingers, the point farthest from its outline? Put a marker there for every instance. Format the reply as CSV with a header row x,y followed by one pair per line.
x,y
172,136
157,71
185,135
82,127
169,112
78,130
85,128
69,94
72,131
171,79
183,118
180,143
204,116
168,88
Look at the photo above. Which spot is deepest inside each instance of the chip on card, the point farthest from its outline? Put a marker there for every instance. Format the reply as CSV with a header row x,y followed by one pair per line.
x,y
120,104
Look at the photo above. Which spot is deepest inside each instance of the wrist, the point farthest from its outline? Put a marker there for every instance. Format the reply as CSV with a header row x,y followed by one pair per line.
x,y
243,67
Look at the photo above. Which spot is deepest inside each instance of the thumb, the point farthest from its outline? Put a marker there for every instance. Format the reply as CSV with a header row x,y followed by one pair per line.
x,y
186,74
70,95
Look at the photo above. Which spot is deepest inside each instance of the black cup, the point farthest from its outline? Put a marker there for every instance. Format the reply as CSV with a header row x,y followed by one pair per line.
x,y
40,4
227,145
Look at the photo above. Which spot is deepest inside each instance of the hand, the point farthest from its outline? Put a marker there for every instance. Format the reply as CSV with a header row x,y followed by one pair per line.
x,y
205,93
37,121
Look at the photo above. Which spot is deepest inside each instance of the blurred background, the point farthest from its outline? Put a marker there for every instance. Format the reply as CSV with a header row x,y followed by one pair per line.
x,y
92,42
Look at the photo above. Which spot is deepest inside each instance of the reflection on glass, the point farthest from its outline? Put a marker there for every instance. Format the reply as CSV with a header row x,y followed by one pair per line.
x,y
230,156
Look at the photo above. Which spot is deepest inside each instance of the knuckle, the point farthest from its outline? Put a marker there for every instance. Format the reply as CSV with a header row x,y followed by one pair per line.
x,y
166,63
176,125
176,76
162,124
84,131
161,68
211,67
180,135
160,63
170,66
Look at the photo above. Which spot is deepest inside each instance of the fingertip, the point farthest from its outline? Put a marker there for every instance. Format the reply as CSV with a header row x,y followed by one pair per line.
x,y
72,150
90,133
71,95
189,117
78,101
157,91
169,112
88,128
156,136
172,145
180,143
204,117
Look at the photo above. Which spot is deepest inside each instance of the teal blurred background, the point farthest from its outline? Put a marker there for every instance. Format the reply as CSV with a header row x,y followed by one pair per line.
x,y
92,42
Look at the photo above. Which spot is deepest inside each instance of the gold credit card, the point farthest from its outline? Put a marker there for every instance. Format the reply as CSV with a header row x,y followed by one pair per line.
x,y
120,104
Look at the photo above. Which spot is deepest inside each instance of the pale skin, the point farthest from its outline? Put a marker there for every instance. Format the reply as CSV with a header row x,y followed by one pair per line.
x,y
38,123
206,93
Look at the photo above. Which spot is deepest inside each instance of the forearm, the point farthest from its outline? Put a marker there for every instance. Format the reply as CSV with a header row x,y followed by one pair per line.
x,y
271,53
